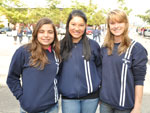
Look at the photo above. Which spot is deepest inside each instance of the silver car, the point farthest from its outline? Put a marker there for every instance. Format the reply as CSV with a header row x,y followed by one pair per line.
x,y
147,33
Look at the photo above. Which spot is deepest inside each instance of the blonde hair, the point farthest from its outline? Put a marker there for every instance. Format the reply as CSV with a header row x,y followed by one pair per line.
x,y
117,16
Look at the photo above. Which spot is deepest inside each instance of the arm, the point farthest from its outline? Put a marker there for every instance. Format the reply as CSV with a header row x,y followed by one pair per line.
x,y
98,58
138,99
139,71
14,74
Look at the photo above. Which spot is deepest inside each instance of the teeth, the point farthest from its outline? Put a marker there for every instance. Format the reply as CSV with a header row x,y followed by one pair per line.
x,y
76,33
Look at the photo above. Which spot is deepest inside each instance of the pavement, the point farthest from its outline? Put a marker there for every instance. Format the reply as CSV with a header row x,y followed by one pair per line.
x,y
8,103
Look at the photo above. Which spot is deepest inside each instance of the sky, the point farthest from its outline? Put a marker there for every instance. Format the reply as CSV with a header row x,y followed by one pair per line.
x,y
138,6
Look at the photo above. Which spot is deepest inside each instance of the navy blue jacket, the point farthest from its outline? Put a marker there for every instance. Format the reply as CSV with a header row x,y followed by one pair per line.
x,y
79,77
38,90
120,74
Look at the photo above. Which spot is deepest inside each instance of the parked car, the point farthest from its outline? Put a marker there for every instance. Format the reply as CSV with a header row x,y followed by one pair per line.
x,y
147,33
9,33
89,30
4,30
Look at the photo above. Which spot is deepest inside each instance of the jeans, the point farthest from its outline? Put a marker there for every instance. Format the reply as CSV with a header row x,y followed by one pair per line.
x,y
53,109
106,108
79,106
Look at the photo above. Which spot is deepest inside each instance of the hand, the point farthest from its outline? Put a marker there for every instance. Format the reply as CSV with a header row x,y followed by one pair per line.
x,y
99,102
134,110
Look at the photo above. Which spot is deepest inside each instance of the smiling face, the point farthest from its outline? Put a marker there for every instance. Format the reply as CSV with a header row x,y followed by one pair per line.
x,y
117,28
45,35
77,27
118,25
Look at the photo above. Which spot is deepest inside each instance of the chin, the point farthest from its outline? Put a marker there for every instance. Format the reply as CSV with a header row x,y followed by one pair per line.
x,y
76,37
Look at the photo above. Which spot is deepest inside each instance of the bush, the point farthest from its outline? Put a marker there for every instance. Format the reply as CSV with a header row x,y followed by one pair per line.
x,y
1,26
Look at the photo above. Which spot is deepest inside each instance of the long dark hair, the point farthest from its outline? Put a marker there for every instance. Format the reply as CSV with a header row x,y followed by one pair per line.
x,y
67,43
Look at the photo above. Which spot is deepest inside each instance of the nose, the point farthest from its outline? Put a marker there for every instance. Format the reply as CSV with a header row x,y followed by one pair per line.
x,y
76,27
45,34
116,25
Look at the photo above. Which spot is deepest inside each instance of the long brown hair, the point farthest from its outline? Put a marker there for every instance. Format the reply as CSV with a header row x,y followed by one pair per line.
x,y
38,56
117,16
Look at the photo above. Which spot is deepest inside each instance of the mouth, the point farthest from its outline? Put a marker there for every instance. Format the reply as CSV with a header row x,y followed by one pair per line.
x,y
46,40
76,33
117,30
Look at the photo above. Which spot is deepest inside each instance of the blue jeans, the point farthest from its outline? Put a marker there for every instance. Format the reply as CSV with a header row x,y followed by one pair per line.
x,y
53,109
79,106
106,108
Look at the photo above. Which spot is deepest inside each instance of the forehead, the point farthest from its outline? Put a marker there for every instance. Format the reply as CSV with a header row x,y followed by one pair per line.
x,y
116,18
77,19
46,27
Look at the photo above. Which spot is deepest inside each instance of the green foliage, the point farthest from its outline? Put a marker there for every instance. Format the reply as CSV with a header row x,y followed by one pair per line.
x,y
146,17
1,26
16,12
64,14
88,10
122,5
98,18
94,16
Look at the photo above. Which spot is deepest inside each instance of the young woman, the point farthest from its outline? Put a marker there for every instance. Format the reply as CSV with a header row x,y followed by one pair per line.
x,y
29,33
123,68
80,76
96,33
14,34
37,63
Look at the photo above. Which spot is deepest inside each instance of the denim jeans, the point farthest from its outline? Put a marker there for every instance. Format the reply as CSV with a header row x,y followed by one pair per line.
x,y
53,109
106,108
79,106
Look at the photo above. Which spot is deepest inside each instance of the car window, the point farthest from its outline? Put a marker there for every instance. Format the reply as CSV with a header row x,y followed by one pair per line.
x,y
89,28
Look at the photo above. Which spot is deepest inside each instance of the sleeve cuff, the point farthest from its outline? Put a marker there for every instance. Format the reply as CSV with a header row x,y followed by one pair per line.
x,y
139,83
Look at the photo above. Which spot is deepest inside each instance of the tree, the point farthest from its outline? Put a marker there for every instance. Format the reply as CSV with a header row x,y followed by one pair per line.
x,y
98,18
14,14
64,14
20,13
88,10
122,5
146,18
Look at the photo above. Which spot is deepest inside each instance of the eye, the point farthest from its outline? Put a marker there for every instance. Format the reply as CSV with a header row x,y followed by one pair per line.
x,y
41,31
73,24
82,25
111,23
51,32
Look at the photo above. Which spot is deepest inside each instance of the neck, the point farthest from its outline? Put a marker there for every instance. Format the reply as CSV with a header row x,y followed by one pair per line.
x,y
117,39
76,40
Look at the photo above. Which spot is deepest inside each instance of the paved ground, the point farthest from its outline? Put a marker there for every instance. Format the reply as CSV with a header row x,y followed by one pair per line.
x,y
8,103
